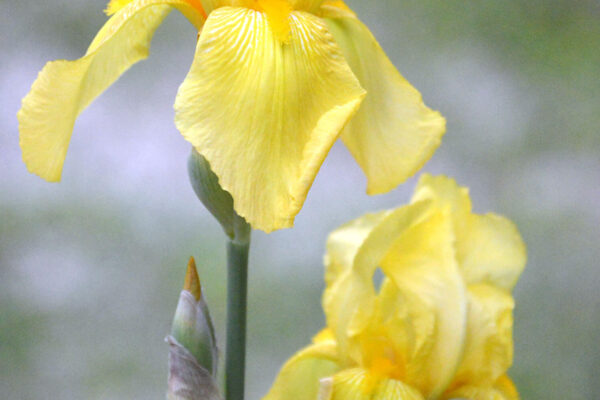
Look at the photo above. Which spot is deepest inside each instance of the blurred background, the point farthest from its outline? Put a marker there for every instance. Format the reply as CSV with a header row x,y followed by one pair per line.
x,y
91,268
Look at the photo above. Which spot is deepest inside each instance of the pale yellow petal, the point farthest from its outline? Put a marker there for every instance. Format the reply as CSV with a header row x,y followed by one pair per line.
x,y
115,5
506,386
265,113
64,88
358,384
489,247
336,9
299,377
492,251
489,343
422,264
325,335
301,5
503,389
394,133
445,192
353,253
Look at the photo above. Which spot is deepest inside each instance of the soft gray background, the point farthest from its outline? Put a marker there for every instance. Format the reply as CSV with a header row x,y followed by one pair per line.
x,y
90,268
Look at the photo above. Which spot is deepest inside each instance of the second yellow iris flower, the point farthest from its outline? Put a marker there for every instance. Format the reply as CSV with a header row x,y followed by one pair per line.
x,y
273,84
440,324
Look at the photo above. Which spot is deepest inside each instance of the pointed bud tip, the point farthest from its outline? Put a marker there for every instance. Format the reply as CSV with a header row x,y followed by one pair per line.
x,y
192,281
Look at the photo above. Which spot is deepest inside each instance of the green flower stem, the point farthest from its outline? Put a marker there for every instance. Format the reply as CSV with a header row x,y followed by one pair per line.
x,y
237,288
220,204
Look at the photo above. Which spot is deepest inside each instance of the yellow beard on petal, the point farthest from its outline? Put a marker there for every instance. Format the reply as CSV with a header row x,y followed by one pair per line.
x,y
380,360
278,13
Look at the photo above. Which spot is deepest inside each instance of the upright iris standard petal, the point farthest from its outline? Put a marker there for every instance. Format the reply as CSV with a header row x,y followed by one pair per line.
x,y
349,298
265,113
414,248
489,247
422,264
394,133
64,89
488,346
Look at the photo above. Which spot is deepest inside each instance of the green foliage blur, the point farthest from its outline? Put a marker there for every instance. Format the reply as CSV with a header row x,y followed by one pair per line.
x,y
90,269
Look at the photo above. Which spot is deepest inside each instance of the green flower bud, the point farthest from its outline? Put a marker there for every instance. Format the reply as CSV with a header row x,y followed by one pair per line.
x,y
218,201
193,353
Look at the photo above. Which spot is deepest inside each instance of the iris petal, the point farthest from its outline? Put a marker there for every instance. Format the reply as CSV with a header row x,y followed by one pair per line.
x,y
299,377
394,133
489,247
265,113
422,264
489,344
503,389
358,384
353,253
64,89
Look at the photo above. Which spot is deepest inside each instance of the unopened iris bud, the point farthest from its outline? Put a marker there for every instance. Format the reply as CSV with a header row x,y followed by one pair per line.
x,y
193,350
218,201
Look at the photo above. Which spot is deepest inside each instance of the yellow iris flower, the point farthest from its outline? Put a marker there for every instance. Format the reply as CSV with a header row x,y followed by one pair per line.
x,y
440,324
272,86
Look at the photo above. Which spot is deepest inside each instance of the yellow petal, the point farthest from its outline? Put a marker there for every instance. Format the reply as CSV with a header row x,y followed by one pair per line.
x,y
115,5
336,9
422,264
503,389
489,344
353,253
506,386
445,192
64,88
394,133
299,377
358,384
491,251
489,247
325,335
265,113
302,5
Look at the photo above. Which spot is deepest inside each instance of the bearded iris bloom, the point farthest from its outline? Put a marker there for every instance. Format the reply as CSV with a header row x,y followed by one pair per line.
x,y
273,84
440,324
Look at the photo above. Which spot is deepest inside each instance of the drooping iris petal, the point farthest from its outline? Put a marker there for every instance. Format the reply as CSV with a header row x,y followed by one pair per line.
x,y
489,345
358,384
394,133
422,264
489,247
64,88
265,113
299,377
353,253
